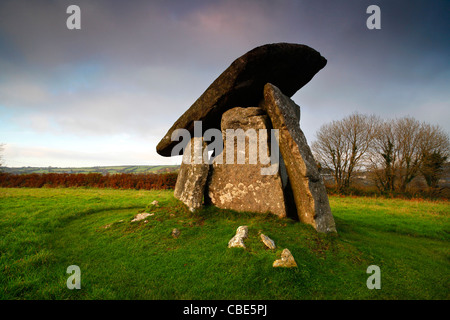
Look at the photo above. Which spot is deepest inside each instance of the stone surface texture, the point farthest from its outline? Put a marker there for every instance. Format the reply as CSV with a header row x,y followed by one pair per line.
x,y
269,243
238,240
286,261
242,187
192,176
308,189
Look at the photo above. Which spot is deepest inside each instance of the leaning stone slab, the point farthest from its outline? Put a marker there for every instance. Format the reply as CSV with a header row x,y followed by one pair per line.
x,y
286,261
238,240
288,66
192,176
309,191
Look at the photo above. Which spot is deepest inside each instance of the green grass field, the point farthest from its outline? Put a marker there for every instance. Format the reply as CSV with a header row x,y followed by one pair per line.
x,y
43,231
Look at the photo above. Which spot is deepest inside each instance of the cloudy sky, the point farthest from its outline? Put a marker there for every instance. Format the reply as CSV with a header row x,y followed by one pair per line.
x,y
106,94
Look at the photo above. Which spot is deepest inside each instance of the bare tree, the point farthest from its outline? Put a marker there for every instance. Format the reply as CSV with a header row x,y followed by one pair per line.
x,y
383,158
409,140
435,149
401,150
341,146
396,151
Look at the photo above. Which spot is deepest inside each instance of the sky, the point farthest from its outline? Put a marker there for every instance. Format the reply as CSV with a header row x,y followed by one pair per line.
x,y
107,93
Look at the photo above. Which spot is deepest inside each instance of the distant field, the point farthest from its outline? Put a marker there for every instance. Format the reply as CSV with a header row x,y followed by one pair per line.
x,y
43,231
103,170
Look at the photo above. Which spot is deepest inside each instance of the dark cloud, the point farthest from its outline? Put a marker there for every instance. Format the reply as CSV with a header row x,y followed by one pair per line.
x,y
135,67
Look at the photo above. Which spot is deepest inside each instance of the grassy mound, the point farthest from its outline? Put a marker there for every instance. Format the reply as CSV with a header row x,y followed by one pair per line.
x,y
46,230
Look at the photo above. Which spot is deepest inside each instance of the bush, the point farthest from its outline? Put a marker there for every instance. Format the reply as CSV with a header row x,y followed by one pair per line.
x,y
147,181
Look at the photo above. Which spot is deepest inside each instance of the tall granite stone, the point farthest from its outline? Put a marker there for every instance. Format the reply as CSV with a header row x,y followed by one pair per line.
x,y
307,185
289,66
192,176
242,186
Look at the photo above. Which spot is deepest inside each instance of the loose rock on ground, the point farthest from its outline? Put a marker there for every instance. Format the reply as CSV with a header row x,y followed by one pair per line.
x,y
238,240
286,261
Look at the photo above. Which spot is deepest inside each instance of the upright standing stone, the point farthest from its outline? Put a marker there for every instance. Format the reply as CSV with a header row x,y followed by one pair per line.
x,y
192,176
242,186
309,191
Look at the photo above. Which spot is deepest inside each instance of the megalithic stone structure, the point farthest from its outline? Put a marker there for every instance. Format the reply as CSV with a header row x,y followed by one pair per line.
x,y
254,93
289,66
309,191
